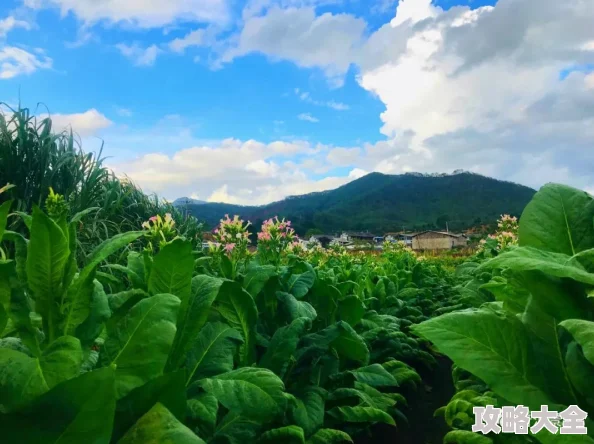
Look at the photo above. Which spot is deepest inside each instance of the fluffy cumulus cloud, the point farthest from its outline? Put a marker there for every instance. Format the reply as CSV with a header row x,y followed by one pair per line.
x,y
16,61
87,123
139,13
327,41
482,89
234,171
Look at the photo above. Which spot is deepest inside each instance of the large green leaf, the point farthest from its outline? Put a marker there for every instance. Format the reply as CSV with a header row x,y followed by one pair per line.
x,y
4,209
250,392
289,435
291,309
349,344
46,262
583,332
202,412
365,394
558,219
361,414
238,308
76,411
580,371
121,303
139,344
213,351
90,329
235,429
20,314
192,316
308,411
172,270
76,306
106,249
20,254
374,375
495,348
329,436
351,310
324,298
61,360
283,345
158,426
256,278
299,284
532,259
21,379
169,390
340,336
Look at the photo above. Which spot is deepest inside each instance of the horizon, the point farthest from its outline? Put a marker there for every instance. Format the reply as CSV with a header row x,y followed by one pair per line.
x,y
227,103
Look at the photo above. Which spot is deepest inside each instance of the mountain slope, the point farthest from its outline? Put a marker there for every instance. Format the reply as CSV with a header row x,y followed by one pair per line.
x,y
380,203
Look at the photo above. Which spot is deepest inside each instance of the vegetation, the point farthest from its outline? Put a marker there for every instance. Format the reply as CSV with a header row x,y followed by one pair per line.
x,y
386,203
144,338
34,160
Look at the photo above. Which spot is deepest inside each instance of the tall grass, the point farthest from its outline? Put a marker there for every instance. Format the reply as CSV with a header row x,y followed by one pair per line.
x,y
33,158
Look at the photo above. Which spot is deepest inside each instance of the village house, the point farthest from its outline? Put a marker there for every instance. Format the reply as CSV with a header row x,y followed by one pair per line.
x,y
400,236
359,236
438,240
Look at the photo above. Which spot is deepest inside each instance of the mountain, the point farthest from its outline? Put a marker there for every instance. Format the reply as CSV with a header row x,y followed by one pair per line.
x,y
180,202
381,203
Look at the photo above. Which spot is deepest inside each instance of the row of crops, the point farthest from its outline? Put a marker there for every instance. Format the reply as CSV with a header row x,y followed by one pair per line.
x,y
147,340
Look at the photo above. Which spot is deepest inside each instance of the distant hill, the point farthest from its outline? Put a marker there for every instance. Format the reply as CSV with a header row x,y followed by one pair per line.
x,y
381,203
187,201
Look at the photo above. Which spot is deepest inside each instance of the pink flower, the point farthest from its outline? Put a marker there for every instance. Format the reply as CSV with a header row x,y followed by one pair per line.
x,y
153,219
229,247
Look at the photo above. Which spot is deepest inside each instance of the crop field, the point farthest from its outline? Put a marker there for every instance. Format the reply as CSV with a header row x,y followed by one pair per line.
x,y
116,327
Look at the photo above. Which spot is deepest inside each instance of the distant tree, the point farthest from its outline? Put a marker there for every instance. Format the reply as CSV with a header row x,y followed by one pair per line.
x,y
312,232
442,221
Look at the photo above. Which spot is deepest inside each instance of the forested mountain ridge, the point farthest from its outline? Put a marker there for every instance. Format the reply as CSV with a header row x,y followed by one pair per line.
x,y
380,203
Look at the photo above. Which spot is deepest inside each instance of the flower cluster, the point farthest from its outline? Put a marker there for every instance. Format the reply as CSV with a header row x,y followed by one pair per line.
x,y
295,248
505,236
274,239
396,247
160,229
232,237
55,205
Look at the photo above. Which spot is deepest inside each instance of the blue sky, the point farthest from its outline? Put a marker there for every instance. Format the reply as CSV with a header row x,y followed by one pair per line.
x,y
250,101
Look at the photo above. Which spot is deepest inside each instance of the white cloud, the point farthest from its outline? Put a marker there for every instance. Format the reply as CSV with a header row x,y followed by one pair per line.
x,y
328,41
459,95
9,23
413,11
308,118
233,171
343,156
139,13
193,38
87,123
139,55
16,61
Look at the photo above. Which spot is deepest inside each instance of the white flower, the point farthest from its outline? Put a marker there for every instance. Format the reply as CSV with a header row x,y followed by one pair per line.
x,y
238,236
